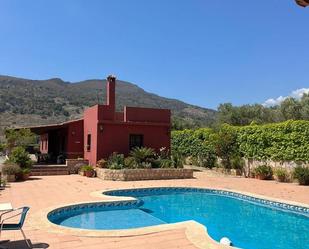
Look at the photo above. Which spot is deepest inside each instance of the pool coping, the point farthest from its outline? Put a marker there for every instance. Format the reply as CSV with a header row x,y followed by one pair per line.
x,y
195,232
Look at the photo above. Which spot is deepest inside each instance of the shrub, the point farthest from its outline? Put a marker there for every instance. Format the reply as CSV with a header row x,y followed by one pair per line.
x,y
156,163
115,161
177,160
102,163
2,147
166,163
2,183
145,165
164,153
282,174
237,162
26,170
263,172
129,162
21,157
301,173
10,169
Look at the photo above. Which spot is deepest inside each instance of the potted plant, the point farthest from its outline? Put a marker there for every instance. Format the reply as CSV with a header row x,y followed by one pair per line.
x,y
282,175
88,170
25,173
10,170
301,173
263,172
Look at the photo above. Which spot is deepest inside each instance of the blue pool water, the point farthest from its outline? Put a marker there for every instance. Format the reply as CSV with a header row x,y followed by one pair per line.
x,y
250,224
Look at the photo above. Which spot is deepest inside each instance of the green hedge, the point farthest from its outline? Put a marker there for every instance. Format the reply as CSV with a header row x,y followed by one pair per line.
x,y
287,141
196,143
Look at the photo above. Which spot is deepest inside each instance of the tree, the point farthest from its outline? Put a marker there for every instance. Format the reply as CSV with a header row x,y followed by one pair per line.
x,y
304,102
246,114
22,138
291,109
227,114
21,157
226,145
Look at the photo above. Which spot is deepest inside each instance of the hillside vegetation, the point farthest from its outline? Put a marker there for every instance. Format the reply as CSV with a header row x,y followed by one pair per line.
x,y
33,102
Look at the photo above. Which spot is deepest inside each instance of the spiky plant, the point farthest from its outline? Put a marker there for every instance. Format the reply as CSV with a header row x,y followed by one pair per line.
x,y
142,155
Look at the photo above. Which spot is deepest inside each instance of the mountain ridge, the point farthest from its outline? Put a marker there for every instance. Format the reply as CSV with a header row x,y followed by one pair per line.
x,y
26,102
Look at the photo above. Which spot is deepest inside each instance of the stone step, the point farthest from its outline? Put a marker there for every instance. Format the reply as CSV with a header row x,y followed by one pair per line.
x,y
49,170
49,173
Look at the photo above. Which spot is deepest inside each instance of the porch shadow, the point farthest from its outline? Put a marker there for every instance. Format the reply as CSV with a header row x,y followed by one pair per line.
x,y
21,244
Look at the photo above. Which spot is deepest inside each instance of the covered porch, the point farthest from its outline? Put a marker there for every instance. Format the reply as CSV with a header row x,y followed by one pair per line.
x,y
59,142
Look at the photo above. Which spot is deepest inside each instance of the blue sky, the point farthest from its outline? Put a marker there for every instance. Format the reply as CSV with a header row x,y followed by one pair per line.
x,y
200,51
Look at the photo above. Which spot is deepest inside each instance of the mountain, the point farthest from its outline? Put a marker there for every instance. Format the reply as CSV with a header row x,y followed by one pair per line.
x,y
32,102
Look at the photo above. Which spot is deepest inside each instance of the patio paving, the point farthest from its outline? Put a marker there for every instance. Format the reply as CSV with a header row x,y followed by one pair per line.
x,y
43,192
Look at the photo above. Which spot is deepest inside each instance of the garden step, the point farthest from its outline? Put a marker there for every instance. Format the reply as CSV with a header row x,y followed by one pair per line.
x,y
49,170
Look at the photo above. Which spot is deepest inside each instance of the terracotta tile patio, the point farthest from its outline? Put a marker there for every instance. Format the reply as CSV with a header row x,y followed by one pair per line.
x,y
42,192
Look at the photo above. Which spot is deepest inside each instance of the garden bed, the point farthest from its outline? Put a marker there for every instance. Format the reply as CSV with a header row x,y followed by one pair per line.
x,y
143,174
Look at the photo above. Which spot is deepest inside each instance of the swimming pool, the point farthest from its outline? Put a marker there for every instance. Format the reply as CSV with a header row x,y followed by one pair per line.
x,y
250,223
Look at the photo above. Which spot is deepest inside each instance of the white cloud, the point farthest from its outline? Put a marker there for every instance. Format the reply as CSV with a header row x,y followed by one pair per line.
x,y
299,92
295,94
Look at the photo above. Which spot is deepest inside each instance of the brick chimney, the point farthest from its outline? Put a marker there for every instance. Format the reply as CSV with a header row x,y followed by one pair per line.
x,y
111,91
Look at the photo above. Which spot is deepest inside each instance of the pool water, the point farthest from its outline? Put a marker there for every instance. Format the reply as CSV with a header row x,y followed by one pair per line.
x,y
111,219
247,224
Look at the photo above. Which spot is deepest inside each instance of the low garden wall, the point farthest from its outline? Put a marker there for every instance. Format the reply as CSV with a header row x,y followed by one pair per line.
x,y
73,163
251,164
143,174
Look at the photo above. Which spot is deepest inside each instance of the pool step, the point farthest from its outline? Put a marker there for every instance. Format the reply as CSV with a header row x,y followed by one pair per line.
x,y
49,170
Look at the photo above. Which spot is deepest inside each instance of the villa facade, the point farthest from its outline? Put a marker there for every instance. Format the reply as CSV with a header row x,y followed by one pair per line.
x,y
103,131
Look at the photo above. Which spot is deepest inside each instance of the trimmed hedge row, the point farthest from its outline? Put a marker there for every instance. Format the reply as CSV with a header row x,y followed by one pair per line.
x,y
196,144
286,141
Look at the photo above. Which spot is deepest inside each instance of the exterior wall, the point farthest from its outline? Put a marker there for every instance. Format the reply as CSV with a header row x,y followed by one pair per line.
x,y
119,116
44,143
91,127
75,140
105,113
137,114
115,137
143,174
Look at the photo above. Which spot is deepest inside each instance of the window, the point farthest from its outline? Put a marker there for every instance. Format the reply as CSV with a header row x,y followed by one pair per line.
x,y
88,142
136,141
